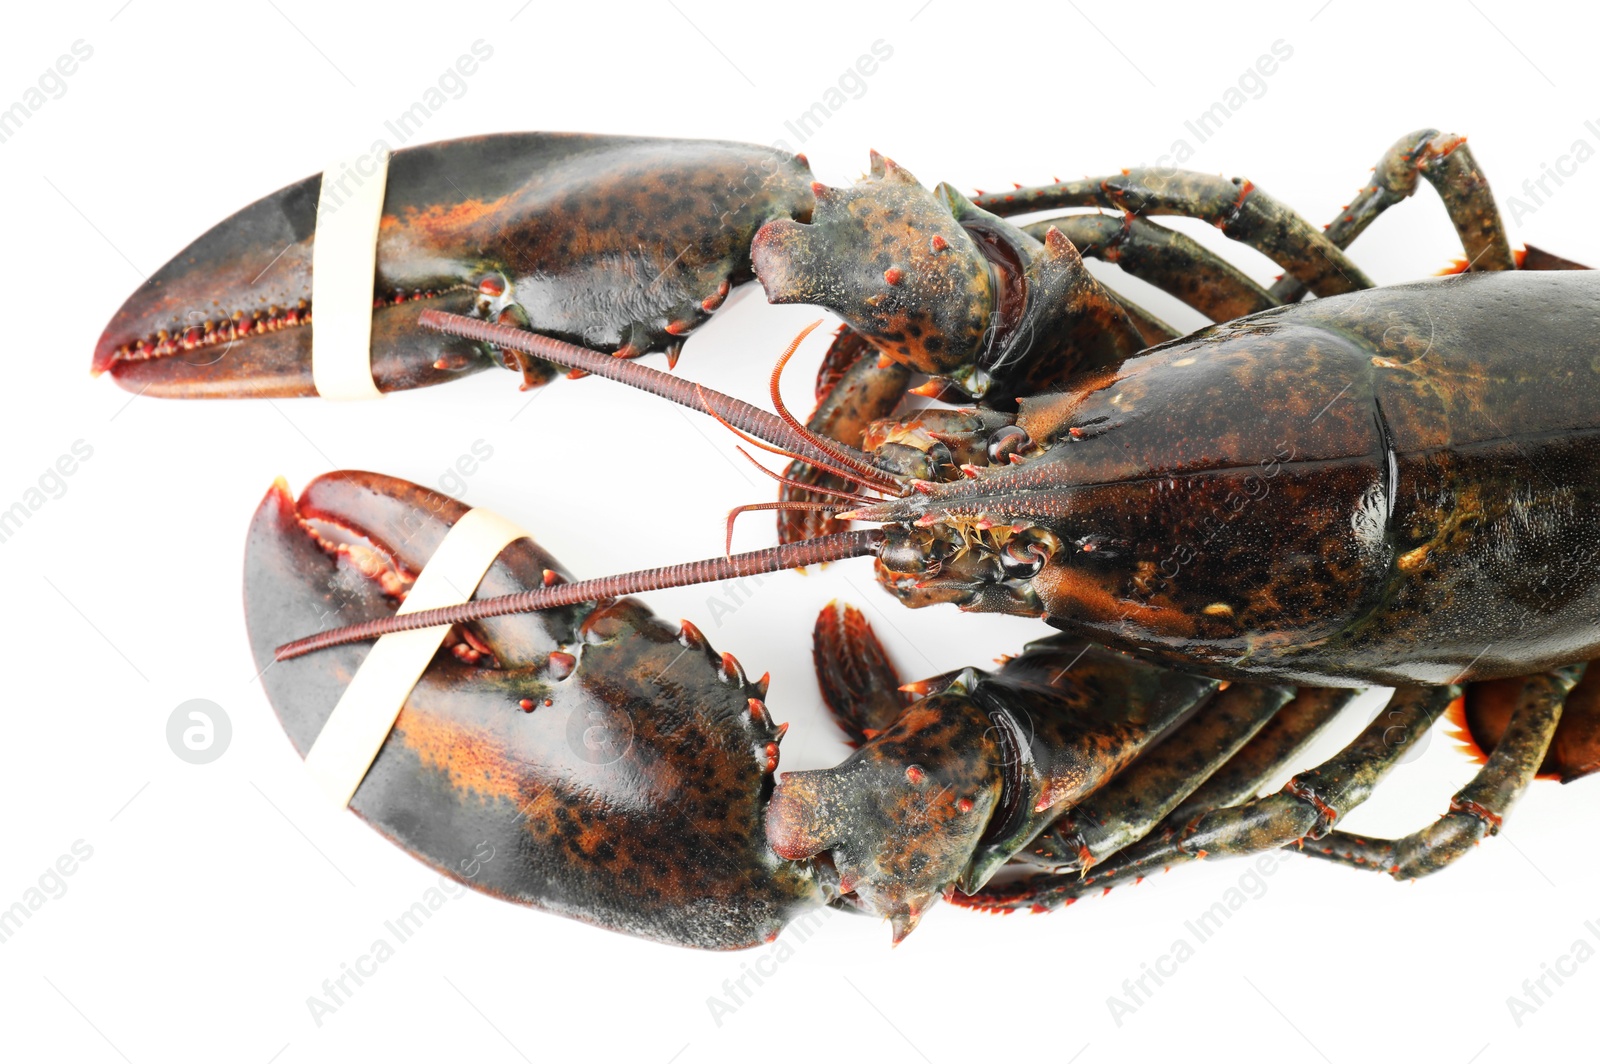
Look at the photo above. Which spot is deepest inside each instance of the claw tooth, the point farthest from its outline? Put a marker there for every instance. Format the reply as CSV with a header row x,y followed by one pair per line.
x,y
904,923
714,300
561,664
673,351
762,684
731,669
689,635
783,729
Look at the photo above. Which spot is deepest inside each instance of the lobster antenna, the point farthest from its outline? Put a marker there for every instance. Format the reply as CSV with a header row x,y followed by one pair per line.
x,y
736,412
781,505
863,479
768,560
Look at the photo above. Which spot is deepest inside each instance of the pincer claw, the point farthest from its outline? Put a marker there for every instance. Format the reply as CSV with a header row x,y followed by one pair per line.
x,y
613,775
624,243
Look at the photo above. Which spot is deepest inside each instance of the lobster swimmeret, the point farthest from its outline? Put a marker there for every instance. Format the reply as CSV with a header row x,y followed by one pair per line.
x,y
1233,529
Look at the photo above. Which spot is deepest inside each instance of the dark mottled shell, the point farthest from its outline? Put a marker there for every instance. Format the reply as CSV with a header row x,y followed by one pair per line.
x,y
1394,486
603,241
631,794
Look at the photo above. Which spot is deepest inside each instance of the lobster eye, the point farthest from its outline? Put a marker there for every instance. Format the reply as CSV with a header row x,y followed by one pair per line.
x,y
1023,557
1006,441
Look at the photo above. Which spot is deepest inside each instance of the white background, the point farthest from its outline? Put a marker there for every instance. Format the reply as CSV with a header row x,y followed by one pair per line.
x,y
219,897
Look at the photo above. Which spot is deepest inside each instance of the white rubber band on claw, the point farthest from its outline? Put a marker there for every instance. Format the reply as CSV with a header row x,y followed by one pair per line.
x,y
366,712
344,263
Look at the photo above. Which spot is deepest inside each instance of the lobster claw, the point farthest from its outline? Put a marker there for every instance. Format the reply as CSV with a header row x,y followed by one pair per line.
x,y
938,284
612,768
623,243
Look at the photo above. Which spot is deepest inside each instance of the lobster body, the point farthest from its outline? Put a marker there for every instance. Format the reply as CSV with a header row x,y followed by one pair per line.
x,y
1397,486
1393,486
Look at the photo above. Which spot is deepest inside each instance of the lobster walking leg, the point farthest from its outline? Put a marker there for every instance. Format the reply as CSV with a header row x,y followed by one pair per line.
x,y
1307,807
1237,207
1125,809
1478,808
968,774
1276,746
1171,261
1446,161
1574,751
1290,731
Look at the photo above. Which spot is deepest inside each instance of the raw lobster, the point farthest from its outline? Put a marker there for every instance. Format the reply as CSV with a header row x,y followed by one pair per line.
x,y
1380,486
